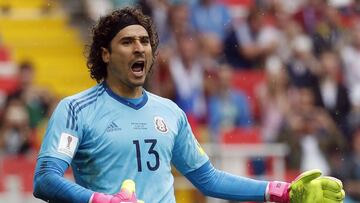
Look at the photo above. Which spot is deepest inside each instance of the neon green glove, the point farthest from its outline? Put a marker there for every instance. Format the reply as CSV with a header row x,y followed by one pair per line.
x,y
308,187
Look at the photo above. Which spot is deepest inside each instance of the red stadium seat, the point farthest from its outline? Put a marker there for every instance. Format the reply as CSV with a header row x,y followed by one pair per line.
x,y
245,3
241,136
21,166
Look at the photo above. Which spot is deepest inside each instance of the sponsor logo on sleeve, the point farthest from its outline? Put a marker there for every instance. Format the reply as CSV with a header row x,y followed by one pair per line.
x,y
67,144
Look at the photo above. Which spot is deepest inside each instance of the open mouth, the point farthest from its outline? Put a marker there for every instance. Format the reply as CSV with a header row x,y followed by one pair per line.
x,y
138,66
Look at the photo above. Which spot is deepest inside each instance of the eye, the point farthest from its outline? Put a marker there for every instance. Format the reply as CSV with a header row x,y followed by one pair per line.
x,y
126,42
145,41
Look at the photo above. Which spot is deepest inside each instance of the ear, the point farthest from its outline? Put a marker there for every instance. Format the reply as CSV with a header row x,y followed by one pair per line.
x,y
105,54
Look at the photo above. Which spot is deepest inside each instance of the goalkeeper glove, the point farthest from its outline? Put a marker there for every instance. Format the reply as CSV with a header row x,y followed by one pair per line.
x,y
126,195
308,187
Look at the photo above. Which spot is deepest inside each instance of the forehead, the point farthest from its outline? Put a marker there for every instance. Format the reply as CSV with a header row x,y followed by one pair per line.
x,y
132,31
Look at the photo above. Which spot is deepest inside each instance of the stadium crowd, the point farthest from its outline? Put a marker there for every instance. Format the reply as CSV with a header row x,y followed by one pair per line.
x,y
305,52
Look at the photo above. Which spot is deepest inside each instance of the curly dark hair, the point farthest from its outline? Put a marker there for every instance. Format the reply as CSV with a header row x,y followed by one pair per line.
x,y
103,32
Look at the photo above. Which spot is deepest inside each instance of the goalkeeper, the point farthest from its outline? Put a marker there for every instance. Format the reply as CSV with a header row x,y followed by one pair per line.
x,y
116,130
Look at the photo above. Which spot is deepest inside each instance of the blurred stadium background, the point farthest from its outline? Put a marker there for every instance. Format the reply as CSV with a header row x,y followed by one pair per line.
x,y
271,87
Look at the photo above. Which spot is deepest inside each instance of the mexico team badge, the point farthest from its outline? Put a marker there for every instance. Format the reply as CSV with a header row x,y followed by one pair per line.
x,y
160,125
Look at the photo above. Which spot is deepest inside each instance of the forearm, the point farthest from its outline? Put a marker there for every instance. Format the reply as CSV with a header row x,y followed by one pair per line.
x,y
219,184
50,185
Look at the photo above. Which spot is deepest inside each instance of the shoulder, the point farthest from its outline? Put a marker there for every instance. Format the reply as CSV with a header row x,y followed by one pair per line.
x,y
164,104
81,99
88,93
158,100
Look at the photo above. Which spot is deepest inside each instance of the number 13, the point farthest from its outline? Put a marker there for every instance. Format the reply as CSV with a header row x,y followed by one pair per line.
x,y
150,151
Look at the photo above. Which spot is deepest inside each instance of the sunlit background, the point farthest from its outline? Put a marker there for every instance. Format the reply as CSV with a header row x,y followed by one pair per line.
x,y
271,87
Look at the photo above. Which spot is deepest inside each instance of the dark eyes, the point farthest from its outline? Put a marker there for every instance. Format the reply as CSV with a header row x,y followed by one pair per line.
x,y
144,41
126,42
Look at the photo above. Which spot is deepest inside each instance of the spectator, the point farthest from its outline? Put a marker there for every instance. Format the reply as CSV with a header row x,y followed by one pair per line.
x,y
311,134
228,108
350,55
303,67
36,98
159,10
177,26
187,75
328,33
242,47
273,99
178,23
277,32
211,50
208,16
15,133
333,96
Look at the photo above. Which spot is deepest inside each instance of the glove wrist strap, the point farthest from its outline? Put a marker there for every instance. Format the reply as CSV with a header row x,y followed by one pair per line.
x,y
100,197
277,191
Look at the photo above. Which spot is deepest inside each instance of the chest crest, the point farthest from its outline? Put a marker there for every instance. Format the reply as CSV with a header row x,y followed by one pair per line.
x,y
160,124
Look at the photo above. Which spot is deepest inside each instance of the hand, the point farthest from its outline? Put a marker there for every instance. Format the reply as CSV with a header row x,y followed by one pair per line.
x,y
308,187
126,195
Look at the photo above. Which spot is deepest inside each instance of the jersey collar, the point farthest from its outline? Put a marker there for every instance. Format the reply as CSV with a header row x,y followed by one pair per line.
x,y
126,101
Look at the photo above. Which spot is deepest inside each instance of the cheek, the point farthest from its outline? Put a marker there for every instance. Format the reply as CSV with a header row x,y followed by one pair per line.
x,y
149,58
119,58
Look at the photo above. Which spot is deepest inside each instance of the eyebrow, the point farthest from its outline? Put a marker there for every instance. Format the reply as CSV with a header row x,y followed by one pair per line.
x,y
134,37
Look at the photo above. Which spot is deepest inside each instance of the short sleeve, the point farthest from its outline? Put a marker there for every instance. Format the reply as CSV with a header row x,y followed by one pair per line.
x,y
63,134
188,155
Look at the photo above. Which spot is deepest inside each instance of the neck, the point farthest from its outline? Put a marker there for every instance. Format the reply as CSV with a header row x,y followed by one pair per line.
x,y
124,90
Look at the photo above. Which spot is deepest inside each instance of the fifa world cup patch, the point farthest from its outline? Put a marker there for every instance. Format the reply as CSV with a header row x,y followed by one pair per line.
x,y
160,124
67,144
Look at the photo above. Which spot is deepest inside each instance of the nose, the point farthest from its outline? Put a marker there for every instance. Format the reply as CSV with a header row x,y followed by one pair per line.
x,y
138,47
